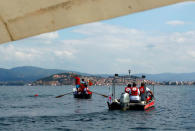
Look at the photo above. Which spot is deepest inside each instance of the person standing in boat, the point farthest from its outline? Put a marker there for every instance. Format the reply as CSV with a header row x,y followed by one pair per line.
x,y
77,82
135,94
128,89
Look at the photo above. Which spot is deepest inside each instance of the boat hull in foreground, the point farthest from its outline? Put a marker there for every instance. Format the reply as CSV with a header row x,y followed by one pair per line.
x,y
131,106
82,95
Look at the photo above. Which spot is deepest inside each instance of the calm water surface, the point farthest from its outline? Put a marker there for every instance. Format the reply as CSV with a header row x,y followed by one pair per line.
x,y
20,110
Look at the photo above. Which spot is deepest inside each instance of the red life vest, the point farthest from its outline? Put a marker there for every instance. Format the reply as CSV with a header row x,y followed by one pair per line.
x,y
148,99
141,89
82,87
134,91
88,91
77,80
127,89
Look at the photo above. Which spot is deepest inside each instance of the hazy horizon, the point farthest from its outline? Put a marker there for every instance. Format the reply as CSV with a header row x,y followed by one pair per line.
x,y
99,73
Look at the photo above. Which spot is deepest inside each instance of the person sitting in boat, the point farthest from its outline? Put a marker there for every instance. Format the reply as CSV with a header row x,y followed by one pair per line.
x,y
83,86
142,90
128,88
145,93
77,82
83,81
135,94
149,95
86,90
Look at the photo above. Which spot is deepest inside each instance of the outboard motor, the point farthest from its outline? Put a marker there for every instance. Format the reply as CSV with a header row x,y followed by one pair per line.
x,y
124,101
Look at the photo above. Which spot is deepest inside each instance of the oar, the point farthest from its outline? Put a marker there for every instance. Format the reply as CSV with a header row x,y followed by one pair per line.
x,y
99,94
63,94
90,84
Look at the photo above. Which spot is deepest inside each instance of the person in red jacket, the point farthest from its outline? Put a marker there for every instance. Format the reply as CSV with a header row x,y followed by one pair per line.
x,y
86,90
77,82
145,93
83,86
128,88
149,95
142,90
134,96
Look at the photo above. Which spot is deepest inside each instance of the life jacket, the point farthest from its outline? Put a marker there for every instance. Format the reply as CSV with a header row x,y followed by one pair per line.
x,y
88,91
77,80
142,90
90,83
127,89
148,99
134,91
82,87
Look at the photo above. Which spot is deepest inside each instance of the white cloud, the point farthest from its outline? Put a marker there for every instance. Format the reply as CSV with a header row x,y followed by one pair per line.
x,y
67,54
183,4
50,36
191,53
124,60
148,52
175,22
101,28
108,49
47,38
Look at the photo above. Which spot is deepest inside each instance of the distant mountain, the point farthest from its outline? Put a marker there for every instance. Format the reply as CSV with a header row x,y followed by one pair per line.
x,y
170,77
26,73
29,73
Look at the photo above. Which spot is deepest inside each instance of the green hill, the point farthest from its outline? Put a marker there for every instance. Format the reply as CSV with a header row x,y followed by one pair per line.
x,y
26,73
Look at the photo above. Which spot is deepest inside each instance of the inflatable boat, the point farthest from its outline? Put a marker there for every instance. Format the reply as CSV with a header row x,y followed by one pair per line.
x,y
124,104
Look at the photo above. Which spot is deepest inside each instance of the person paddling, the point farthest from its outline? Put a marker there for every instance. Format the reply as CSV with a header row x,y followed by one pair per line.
x,y
135,94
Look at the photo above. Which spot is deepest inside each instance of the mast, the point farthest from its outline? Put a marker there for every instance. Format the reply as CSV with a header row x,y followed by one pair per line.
x,y
129,75
113,87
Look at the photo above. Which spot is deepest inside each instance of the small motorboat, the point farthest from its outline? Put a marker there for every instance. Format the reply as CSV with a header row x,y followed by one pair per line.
x,y
124,103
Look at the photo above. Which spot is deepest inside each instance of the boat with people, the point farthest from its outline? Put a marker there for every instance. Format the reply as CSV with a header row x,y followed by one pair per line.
x,y
82,91
82,95
133,98
122,104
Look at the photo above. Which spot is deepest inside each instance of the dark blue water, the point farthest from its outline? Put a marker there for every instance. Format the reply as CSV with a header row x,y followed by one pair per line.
x,y
20,110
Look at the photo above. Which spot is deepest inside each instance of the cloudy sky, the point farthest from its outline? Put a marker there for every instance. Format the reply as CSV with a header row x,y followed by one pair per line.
x,y
156,41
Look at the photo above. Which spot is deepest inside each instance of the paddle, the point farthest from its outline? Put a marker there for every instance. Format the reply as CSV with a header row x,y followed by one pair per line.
x,y
90,84
63,94
99,94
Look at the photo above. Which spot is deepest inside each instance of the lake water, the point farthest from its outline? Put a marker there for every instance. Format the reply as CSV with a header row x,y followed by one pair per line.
x,y
20,110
